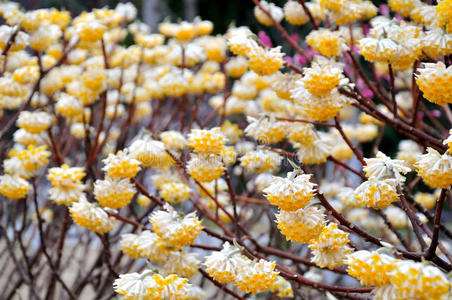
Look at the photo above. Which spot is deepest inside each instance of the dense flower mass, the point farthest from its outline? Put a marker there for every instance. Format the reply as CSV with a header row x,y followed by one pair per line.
x,y
331,247
370,268
13,187
206,141
384,167
66,184
435,169
430,282
121,165
113,192
376,193
433,81
225,265
178,230
302,225
92,217
175,161
256,276
290,193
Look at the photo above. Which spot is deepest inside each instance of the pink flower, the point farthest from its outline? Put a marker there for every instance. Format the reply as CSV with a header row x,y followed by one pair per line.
x,y
436,113
294,37
367,93
265,39
384,10
398,17
311,53
347,70
288,59
360,83
366,29
299,59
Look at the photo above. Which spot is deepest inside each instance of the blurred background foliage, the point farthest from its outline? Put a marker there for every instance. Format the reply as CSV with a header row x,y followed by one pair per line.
x,y
221,12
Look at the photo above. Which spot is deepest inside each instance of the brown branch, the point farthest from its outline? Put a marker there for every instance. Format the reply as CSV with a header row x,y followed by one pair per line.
x,y
283,32
416,95
308,12
429,216
346,139
305,121
436,225
143,190
394,230
347,167
44,246
221,286
416,225
391,81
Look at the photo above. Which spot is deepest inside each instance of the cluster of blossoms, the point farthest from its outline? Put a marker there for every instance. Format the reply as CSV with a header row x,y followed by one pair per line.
x,y
250,276
175,145
384,176
398,279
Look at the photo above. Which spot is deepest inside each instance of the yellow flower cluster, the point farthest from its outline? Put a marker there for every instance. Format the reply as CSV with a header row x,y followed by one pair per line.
x,y
152,286
229,265
302,133
295,14
435,169
427,200
175,192
275,12
284,83
182,263
302,225
206,141
34,122
377,194
403,7
397,44
370,268
121,165
327,42
290,193
92,216
265,129
32,159
260,161
205,168
173,139
257,277
413,280
262,61
114,192
434,81
265,62
150,153
444,13
377,49
330,248
175,228
13,186
145,245
322,77
282,288
67,186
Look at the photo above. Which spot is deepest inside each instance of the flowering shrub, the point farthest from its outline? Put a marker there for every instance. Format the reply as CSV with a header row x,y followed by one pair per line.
x,y
185,165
